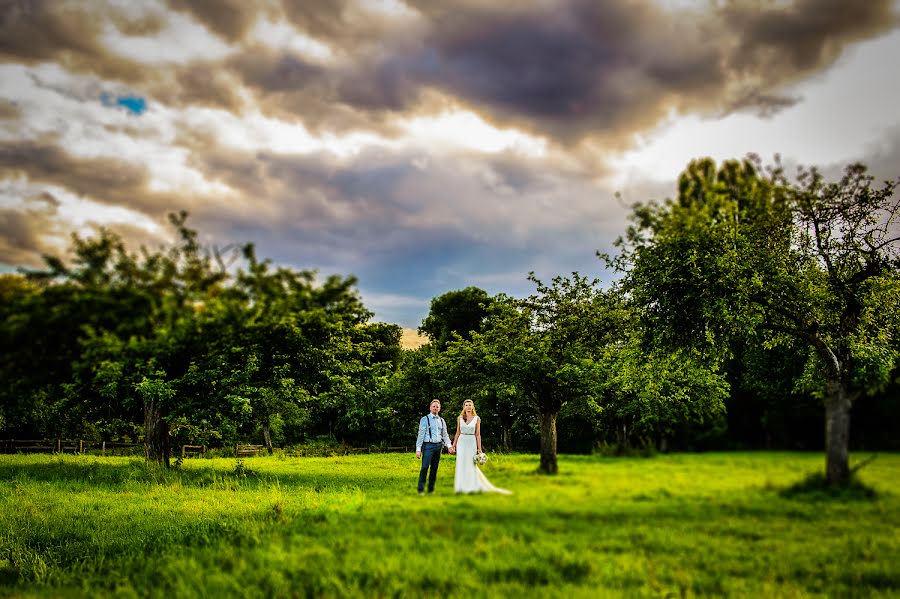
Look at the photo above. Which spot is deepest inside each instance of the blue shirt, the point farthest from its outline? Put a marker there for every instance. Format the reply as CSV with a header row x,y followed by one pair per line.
x,y
438,431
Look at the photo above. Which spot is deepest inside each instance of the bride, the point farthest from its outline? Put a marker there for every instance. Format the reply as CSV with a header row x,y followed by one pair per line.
x,y
466,443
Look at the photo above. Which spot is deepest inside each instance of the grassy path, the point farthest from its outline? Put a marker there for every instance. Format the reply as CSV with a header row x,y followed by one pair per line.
x,y
679,525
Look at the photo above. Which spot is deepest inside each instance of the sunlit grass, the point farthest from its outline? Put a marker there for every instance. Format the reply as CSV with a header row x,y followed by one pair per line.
x,y
676,525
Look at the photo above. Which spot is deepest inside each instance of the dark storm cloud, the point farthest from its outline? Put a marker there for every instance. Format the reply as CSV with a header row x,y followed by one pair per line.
x,y
35,228
202,83
762,104
35,31
319,18
229,19
20,237
576,69
802,36
9,111
381,204
567,70
22,230
272,72
107,181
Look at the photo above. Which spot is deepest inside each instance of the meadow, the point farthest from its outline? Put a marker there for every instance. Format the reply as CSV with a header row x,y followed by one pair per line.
x,y
686,525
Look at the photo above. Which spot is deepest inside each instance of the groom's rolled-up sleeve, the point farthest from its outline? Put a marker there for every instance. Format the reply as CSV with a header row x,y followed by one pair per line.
x,y
421,437
446,435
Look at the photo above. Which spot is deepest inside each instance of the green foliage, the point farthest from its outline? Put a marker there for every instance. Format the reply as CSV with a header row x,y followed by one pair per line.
x,y
748,291
536,354
456,313
745,254
173,342
656,394
676,525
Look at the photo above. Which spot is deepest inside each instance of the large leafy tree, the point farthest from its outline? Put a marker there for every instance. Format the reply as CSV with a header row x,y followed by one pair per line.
x,y
747,252
170,339
418,379
653,394
155,327
368,360
460,312
543,348
287,333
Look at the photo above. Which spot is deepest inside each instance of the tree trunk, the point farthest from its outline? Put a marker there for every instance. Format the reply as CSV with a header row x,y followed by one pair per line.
x,y
267,438
837,433
622,437
548,443
507,438
156,434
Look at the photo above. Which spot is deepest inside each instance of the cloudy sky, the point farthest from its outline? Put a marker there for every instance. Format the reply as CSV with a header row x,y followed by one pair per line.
x,y
421,145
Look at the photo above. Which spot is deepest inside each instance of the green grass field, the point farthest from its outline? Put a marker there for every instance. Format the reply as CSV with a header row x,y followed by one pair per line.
x,y
667,526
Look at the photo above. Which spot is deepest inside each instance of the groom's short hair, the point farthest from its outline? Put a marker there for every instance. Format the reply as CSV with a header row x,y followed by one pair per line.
x,y
437,401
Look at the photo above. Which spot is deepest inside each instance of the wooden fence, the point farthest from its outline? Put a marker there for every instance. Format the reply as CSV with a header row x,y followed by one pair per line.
x,y
69,446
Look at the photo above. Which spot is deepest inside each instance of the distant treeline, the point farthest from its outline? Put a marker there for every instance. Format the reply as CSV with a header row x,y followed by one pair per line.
x,y
749,312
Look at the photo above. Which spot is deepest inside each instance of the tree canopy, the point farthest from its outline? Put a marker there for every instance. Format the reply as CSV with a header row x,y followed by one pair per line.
x,y
746,252
748,308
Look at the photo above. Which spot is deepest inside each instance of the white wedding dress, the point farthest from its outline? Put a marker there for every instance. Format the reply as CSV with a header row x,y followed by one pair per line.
x,y
469,478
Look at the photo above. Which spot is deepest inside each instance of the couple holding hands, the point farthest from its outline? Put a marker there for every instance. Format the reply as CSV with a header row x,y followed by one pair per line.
x,y
434,436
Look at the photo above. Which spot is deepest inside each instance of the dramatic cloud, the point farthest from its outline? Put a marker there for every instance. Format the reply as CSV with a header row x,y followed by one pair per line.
x,y
21,230
568,70
421,145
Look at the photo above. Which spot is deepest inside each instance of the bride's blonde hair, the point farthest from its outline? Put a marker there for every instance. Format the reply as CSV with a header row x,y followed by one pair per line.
x,y
463,413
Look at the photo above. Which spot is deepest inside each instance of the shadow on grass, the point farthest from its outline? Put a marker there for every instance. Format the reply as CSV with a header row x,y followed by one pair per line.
x,y
816,488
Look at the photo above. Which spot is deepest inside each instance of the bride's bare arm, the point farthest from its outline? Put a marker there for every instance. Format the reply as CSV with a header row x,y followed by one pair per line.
x,y
477,435
456,436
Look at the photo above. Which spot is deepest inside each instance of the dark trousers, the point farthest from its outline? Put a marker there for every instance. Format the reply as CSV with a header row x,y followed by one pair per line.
x,y
431,457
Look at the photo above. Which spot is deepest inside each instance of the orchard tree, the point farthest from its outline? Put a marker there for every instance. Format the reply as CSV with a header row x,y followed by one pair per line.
x,y
456,313
418,379
653,393
287,333
747,252
156,329
545,347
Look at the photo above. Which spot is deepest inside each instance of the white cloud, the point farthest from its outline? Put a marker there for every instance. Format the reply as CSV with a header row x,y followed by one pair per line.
x,y
84,213
181,40
465,130
280,35
837,117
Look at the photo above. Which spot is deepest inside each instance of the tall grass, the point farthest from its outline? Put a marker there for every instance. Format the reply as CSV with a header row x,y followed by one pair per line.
x,y
737,525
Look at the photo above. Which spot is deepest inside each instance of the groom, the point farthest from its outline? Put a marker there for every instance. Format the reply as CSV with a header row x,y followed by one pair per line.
x,y
429,444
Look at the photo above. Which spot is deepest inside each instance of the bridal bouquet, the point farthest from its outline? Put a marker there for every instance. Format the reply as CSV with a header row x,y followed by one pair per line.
x,y
480,459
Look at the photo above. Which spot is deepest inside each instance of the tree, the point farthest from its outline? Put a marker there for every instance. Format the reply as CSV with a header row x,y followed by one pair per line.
x,y
171,339
418,379
544,346
746,252
456,313
288,333
654,393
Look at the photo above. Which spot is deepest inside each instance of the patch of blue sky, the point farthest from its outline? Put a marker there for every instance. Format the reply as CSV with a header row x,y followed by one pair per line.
x,y
133,104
